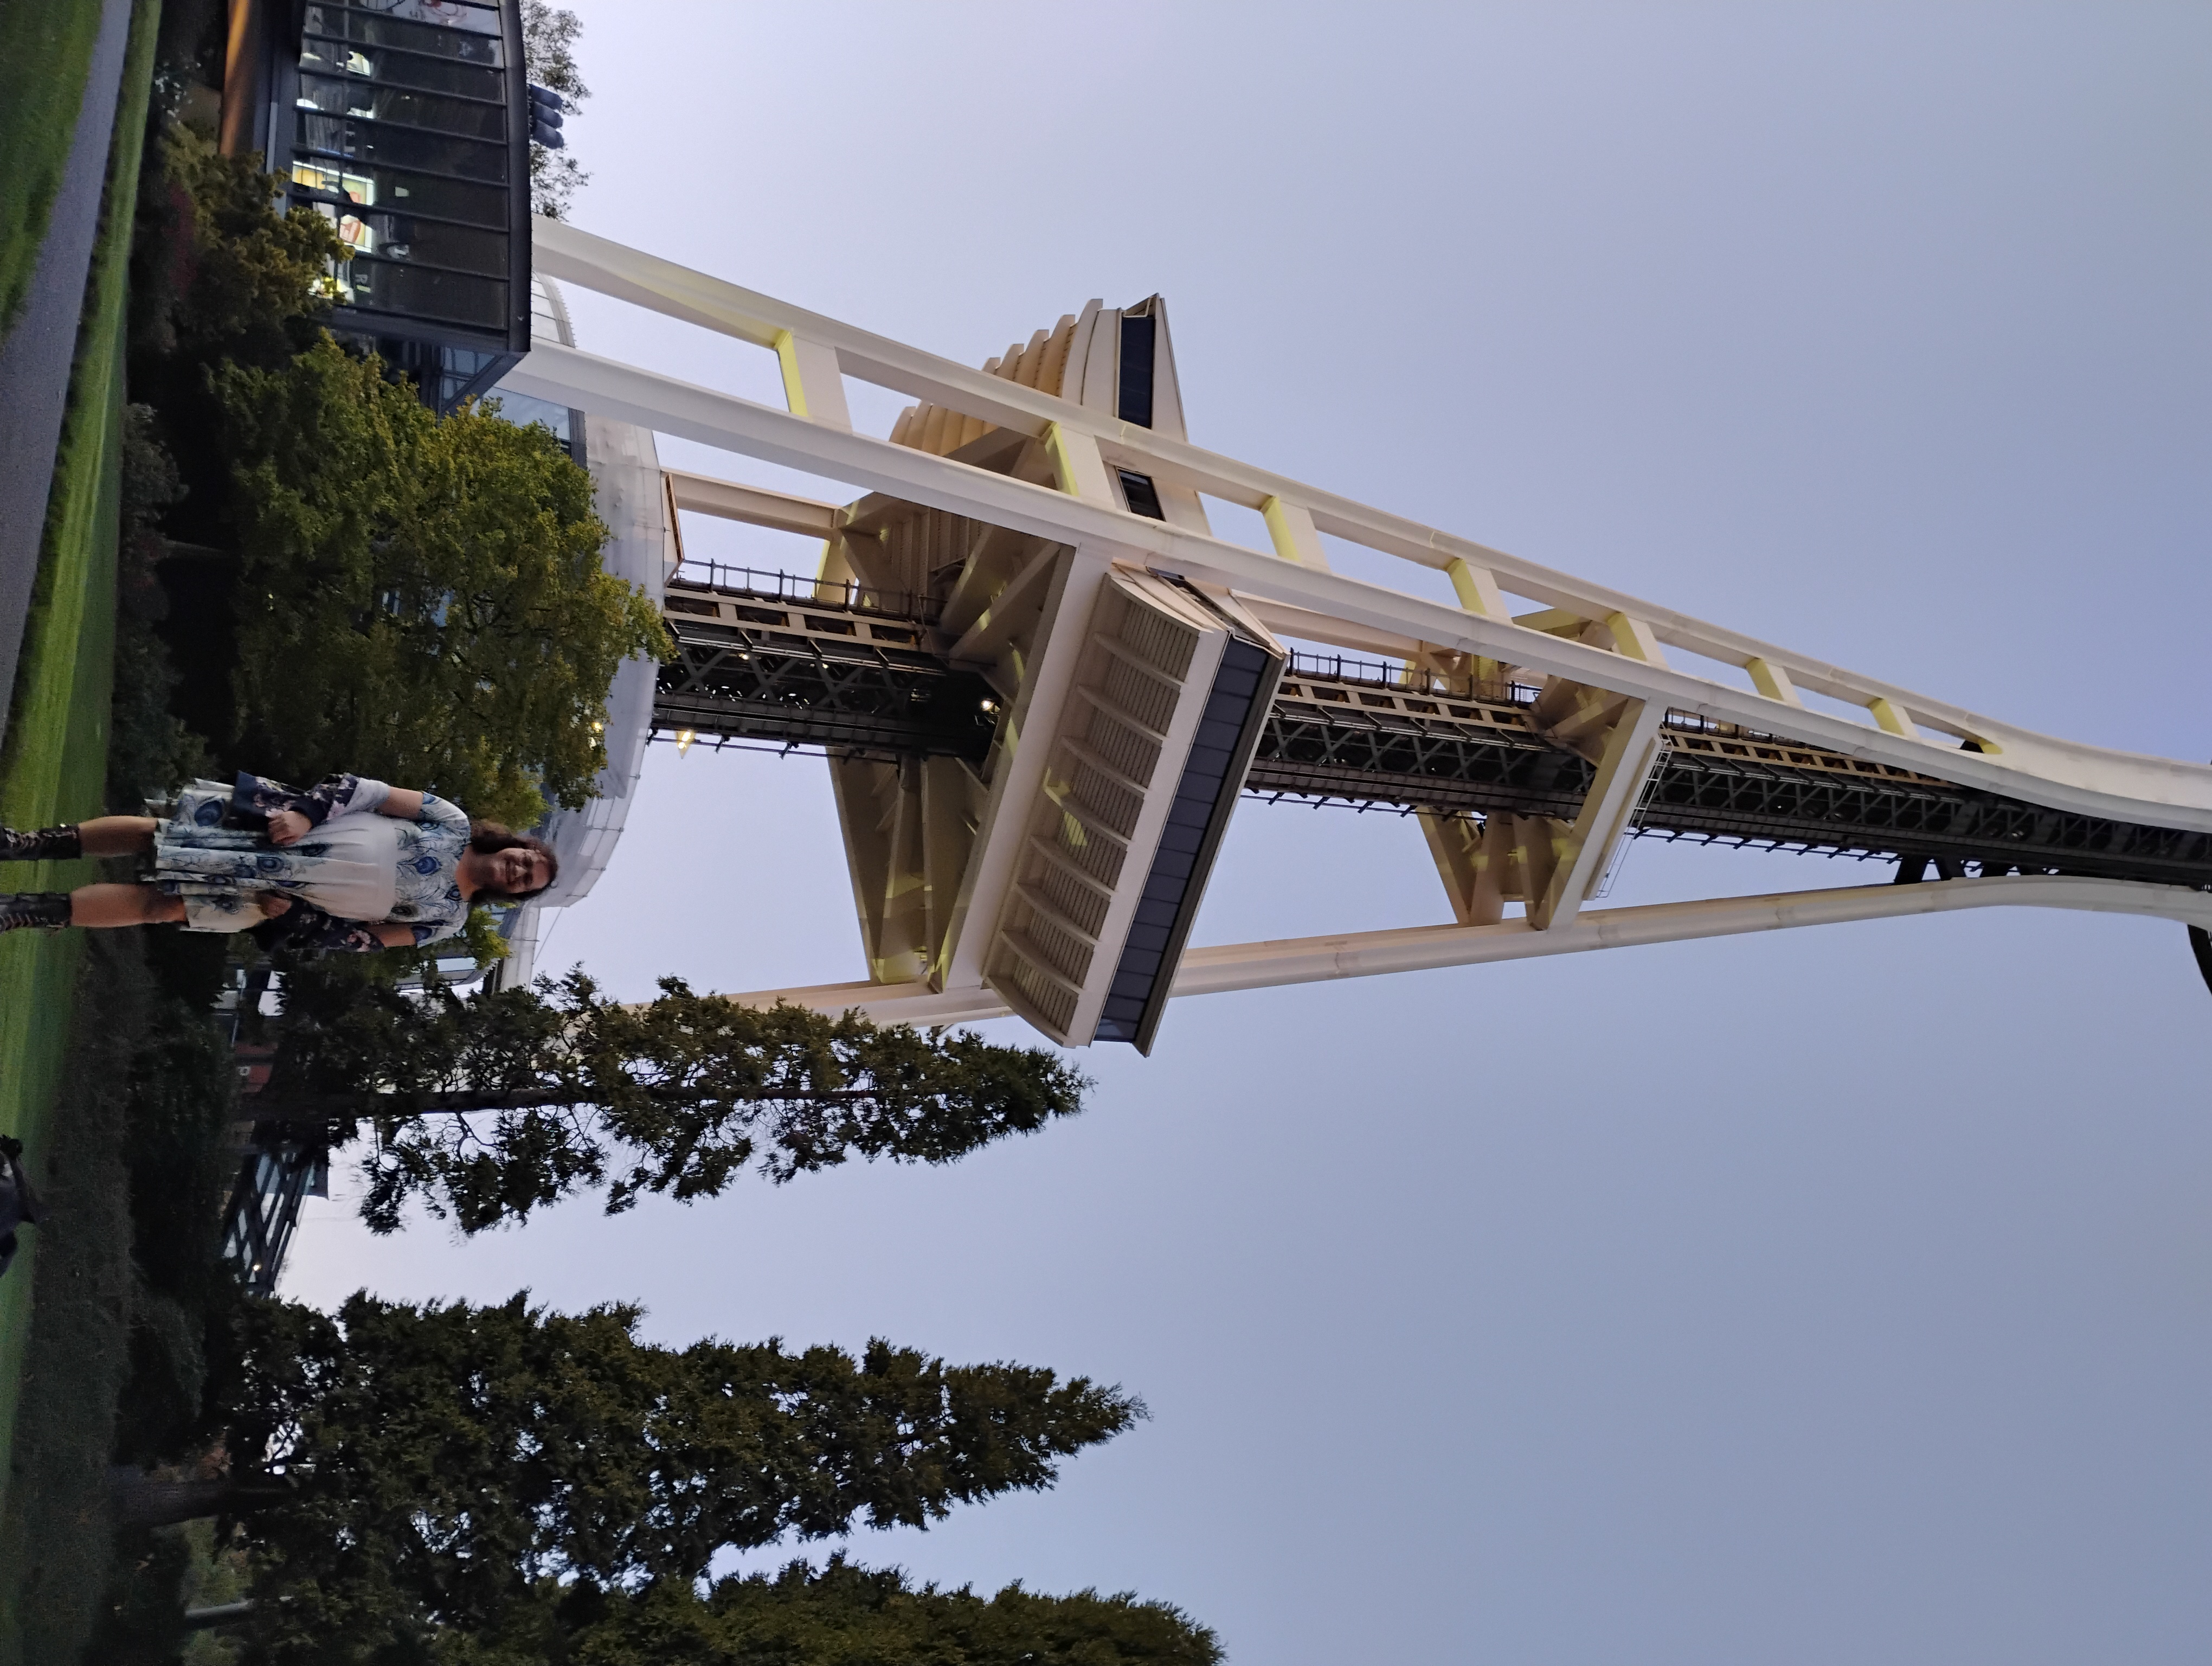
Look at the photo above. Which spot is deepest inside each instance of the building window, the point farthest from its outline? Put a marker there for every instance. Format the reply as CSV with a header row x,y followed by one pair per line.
x,y
405,134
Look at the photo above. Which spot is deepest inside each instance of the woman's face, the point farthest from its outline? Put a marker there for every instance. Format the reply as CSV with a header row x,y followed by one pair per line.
x,y
518,871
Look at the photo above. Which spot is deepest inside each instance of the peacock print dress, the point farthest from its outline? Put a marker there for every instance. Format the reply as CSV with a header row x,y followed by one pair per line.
x,y
353,865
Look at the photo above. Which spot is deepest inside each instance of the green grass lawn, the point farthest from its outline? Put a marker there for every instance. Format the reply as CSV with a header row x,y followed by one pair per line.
x,y
53,762
45,53
56,1545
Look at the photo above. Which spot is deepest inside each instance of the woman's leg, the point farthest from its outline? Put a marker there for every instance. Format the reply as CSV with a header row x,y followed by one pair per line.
x,y
89,905
107,905
123,905
117,836
103,835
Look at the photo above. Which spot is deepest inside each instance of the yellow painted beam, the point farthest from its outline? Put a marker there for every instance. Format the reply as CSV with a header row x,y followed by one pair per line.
x,y
1477,589
1291,526
1076,467
1771,680
1633,637
1891,718
813,387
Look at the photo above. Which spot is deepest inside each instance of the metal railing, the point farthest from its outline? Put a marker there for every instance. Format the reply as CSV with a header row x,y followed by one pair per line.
x,y
1403,679
1695,723
762,584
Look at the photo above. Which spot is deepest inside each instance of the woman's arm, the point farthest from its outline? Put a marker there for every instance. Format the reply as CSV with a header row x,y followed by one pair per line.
x,y
400,803
356,936
426,809
292,815
304,926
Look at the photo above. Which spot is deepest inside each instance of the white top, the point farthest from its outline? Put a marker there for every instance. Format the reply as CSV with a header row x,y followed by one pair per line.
x,y
355,878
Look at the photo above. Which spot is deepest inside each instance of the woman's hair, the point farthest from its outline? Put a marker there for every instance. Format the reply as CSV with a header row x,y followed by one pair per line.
x,y
486,837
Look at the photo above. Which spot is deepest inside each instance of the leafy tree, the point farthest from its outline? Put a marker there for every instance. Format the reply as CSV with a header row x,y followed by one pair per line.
x,y
150,749
218,276
549,41
401,1469
420,598
839,1615
223,275
489,1106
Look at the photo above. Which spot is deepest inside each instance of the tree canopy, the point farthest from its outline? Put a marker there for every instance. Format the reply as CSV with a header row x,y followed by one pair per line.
x,y
402,1467
488,1106
548,56
421,597
222,274
837,1615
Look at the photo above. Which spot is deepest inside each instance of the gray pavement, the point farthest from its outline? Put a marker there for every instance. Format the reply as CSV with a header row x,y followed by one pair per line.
x,y
34,359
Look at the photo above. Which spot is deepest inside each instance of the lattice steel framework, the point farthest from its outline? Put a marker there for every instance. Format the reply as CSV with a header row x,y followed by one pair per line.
x,y
1373,740
842,677
751,666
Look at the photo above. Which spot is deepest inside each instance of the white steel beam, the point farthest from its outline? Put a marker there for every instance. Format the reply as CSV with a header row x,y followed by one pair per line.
x,y
725,499
2057,773
595,263
913,1003
1631,751
1427,948
1228,967
983,640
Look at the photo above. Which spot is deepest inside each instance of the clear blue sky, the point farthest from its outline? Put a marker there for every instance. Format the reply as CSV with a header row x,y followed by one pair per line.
x,y
1819,1298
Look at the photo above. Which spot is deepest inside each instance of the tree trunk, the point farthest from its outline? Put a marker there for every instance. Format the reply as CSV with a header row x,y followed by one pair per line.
x,y
227,1613
142,1501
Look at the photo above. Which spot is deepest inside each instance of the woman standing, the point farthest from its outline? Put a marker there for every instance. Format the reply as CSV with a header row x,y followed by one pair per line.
x,y
392,868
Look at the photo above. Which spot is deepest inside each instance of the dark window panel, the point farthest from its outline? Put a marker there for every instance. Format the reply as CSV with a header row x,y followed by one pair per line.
x,y
400,147
322,55
410,238
398,69
467,46
521,410
1144,498
375,102
458,371
468,16
1134,400
385,287
382,187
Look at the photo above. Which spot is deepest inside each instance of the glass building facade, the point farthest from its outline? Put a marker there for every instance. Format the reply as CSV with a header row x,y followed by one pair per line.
x,y
405,124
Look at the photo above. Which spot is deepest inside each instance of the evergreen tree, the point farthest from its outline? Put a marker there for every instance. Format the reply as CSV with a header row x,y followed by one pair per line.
x,y
838,1615
403,1471
488,1107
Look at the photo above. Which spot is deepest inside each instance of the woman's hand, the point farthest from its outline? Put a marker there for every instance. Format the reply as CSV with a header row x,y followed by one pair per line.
x,y
287,827
272,906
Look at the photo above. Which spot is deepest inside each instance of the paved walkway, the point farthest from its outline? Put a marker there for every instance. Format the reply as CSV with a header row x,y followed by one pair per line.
x,y
35,358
